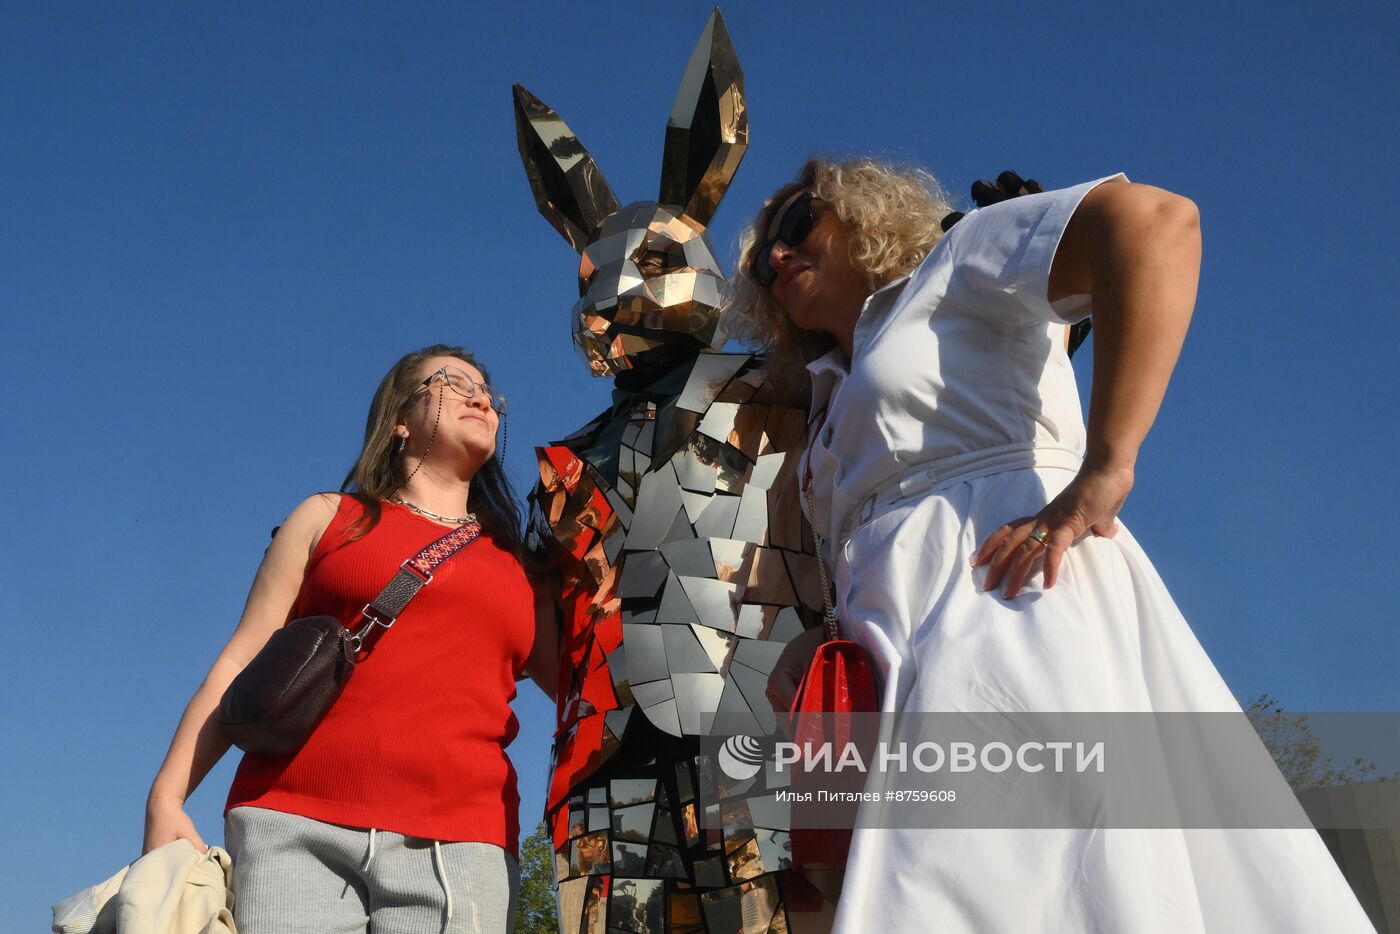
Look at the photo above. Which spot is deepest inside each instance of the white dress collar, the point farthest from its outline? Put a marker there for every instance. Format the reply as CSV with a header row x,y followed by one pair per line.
x,y
833,361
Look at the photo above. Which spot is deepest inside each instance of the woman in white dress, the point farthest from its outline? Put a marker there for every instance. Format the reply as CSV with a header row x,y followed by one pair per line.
x,y
970,522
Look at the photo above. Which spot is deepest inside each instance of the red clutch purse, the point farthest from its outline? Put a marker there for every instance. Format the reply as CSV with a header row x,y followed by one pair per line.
x,y
839,682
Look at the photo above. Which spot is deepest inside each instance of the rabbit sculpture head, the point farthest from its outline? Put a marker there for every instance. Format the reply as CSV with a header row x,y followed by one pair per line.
x,y
650,285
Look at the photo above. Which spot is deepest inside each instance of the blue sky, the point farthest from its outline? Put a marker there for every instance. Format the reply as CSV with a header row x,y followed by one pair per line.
x,y
222,223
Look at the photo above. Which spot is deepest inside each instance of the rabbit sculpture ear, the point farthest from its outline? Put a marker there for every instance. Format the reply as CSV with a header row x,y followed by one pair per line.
x,y
569,188
709,127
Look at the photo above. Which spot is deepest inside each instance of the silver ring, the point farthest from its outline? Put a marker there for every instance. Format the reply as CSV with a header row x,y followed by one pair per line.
x,y
1041,534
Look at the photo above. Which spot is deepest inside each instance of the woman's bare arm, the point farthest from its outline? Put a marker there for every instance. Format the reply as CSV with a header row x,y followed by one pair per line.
x,y
1136,250
543,664
198,743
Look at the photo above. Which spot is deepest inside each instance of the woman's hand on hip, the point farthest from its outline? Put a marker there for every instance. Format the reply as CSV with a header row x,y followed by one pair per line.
x,y
791,666
166,822
1089,504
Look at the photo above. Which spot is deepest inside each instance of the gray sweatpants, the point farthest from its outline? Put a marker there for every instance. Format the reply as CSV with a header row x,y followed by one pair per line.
x,y
295,875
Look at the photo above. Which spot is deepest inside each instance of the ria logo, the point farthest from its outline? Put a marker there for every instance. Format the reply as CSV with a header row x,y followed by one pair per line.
x,y
741,757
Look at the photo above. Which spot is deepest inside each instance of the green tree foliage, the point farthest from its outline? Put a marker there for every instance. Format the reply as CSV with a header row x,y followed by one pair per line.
x,y
534,906
1297,750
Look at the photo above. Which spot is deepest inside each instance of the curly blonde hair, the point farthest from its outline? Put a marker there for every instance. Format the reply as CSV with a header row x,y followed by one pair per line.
x,y
892,213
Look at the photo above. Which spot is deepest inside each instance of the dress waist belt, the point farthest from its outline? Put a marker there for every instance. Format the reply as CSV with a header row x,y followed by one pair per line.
x,y
931,476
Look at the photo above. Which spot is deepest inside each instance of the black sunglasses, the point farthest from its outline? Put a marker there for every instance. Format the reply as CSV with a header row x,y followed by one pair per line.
x,y
793,228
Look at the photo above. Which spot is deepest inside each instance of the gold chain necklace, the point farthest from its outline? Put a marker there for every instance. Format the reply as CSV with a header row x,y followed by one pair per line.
x,y
456,520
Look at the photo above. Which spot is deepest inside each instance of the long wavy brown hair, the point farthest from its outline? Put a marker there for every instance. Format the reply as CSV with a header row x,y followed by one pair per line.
x,y
379,471
892,213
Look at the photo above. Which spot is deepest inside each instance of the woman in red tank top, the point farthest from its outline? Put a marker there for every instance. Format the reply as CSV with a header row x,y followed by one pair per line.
x,y
400,811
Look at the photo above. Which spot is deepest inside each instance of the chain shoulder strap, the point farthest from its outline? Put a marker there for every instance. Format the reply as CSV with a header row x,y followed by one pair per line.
x,y
833,628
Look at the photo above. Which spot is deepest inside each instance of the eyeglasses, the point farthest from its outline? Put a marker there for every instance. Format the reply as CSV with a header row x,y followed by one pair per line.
x,y
464,386
794,226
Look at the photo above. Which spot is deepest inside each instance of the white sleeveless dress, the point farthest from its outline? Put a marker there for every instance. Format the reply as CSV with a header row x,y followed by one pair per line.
x,y
959,413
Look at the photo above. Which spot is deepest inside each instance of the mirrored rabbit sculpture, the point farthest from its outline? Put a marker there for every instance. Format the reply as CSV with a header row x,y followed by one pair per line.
x,y
674,518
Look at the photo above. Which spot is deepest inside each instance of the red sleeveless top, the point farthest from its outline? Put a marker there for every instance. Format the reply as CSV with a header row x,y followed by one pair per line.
x,y
416,743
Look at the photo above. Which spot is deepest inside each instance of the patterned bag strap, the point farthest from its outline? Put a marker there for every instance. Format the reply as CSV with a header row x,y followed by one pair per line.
x,y
412,576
